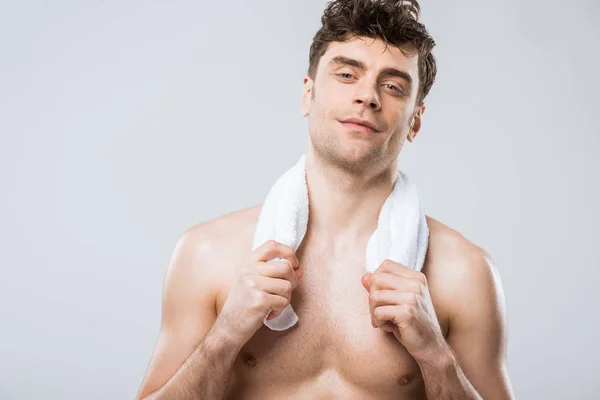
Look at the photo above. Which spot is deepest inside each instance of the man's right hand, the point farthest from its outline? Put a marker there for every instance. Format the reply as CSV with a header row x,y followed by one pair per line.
x,y
260,286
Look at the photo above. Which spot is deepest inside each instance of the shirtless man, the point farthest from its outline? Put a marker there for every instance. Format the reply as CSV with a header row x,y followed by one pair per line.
x,y
394,334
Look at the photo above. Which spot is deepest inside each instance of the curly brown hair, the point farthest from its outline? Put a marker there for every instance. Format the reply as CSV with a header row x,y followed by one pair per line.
x,y
395,22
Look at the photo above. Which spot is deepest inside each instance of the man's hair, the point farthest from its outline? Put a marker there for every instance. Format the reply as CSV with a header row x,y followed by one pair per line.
x,y
395,22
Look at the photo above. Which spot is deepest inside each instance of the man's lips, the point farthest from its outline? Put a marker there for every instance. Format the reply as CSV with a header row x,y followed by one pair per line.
x,y
362,125
358,127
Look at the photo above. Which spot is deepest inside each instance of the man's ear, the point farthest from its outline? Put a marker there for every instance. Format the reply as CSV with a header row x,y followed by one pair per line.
x,y
415,124
306,95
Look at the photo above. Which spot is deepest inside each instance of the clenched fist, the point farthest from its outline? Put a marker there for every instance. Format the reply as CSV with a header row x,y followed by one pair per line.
x,y
261,286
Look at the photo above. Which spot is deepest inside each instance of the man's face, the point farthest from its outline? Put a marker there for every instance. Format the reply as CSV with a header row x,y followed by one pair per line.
x,y
358,79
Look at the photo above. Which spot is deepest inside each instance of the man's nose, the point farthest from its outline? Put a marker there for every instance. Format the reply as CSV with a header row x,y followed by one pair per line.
x,y
369,96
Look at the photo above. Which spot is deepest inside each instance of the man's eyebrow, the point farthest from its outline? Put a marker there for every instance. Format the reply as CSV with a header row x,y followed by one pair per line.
x,y
350,62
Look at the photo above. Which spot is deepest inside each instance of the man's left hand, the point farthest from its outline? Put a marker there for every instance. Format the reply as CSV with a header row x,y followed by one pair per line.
x,y
399,302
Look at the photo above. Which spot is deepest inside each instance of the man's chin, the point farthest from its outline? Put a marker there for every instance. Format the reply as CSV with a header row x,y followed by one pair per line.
x,y
356,159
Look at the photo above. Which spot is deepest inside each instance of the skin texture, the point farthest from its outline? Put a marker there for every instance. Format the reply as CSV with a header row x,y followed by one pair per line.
x,y
396,333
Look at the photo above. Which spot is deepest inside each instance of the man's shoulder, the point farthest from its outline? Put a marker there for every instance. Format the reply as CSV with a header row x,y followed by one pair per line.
x,y
456,268
223,224
225,235
451,254
448,243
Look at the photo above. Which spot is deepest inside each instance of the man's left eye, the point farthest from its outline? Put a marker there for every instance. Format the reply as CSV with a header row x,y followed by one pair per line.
x,y
394,87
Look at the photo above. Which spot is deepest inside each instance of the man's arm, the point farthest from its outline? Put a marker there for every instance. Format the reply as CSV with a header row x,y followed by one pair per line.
x,y
473,366
205,373
192,359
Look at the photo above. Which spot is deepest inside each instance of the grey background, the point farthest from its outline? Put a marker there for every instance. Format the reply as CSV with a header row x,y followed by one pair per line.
x,y
123,123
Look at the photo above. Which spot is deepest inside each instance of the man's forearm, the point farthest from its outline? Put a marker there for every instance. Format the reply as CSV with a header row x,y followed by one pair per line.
x,y
205,374
444,379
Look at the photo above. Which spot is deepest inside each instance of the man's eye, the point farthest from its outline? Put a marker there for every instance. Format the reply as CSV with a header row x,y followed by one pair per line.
x,y
394,88
345,73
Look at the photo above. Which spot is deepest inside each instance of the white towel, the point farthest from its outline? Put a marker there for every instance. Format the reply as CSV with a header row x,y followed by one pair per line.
x,y
402,233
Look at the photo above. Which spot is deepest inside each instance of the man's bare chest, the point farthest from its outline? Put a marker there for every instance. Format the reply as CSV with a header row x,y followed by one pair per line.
x,y
333,334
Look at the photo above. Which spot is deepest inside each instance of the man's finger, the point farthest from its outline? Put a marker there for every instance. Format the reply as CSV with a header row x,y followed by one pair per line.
x,y
400,269
386,280
366,281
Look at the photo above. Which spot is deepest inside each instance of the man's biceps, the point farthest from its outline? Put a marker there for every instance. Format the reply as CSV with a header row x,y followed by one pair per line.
x,y
188,299
184,320
480,350
188,310
486,338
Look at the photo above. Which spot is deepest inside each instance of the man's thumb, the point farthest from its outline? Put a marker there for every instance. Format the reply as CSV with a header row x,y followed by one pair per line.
x,y
366,280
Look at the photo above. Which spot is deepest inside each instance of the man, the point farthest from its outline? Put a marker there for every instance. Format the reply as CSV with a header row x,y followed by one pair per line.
x,y
394,334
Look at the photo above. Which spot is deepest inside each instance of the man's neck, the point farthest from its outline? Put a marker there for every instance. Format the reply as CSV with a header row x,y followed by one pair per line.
x,y
344,207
